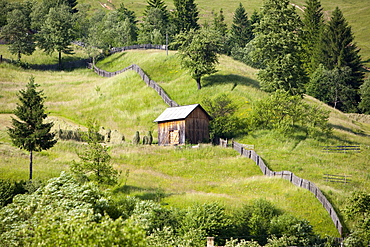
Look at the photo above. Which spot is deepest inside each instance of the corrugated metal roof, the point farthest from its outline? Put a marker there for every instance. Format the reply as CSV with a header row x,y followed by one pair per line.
x,y
176,113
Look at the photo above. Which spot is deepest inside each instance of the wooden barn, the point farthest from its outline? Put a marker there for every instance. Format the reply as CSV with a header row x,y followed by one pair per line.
x,y
183,124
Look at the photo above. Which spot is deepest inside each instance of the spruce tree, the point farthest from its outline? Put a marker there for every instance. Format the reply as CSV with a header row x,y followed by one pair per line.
x,y
278,48
28,131
241,29
313,24
220,26
338,49
186,15
153,29
95,162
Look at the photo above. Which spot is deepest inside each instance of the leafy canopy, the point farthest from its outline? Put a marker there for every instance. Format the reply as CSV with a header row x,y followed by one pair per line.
x,y
199,52
278,47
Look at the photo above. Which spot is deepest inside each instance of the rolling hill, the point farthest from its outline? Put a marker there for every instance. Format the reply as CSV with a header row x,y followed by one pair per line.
x,y
180,177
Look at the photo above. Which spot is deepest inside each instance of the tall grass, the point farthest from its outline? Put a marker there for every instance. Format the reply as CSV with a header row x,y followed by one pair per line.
x,y
125,103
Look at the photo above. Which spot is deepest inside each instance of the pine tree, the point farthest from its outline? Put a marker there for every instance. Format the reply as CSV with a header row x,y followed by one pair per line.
x,y
241,29
186,15
277,46
313,24
95,159
220,26
157,4
28,131
338,49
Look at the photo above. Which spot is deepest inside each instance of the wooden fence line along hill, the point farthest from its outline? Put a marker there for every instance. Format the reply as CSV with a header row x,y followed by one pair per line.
x,y
300,182
136,47
138,70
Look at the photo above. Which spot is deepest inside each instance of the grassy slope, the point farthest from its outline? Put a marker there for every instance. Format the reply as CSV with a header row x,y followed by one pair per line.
x,y
126,104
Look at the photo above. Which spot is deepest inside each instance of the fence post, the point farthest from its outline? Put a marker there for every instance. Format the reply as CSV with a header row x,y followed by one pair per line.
x,y
210,241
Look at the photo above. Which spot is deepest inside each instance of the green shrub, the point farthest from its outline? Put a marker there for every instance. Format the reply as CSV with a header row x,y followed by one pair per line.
x,y
224,123
9,189
287,114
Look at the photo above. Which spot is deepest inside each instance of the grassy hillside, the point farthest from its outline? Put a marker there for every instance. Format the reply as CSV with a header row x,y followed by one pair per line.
x,y
180,177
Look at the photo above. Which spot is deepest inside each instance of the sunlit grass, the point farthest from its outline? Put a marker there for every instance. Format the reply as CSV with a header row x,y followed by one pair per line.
x,y
125,103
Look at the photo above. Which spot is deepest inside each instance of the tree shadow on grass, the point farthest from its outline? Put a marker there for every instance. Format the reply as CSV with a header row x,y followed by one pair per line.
x,y
353,131
154,194
65,66
235,80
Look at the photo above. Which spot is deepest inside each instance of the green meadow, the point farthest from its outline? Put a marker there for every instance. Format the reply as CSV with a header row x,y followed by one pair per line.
x,y
181,176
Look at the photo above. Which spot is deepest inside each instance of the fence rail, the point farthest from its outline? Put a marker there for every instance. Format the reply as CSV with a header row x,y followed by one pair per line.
x,y
337,178
138,70
137,47
300,182
341,149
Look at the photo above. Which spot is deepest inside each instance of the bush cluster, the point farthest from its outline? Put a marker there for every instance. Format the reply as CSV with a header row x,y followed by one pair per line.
x,y
66,212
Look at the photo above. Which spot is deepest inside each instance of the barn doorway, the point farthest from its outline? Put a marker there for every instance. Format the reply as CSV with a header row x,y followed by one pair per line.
x,y
174,137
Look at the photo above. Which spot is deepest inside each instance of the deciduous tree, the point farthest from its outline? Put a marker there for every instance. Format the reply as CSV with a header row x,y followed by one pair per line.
x,y
198,51
17,32
28,131
57,32
277,46
365,97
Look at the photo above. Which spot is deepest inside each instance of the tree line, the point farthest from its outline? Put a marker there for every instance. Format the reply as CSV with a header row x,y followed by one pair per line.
x,y
308,54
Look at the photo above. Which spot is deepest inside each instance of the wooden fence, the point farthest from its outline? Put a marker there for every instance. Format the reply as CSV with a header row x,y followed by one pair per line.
x,y
138,70
143,76
300,182
137,47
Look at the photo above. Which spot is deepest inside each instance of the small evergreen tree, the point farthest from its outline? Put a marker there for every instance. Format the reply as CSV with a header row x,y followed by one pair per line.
x,y
95,160
220,26
313,24
241,29
28,131
186,15
154,27
157,4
